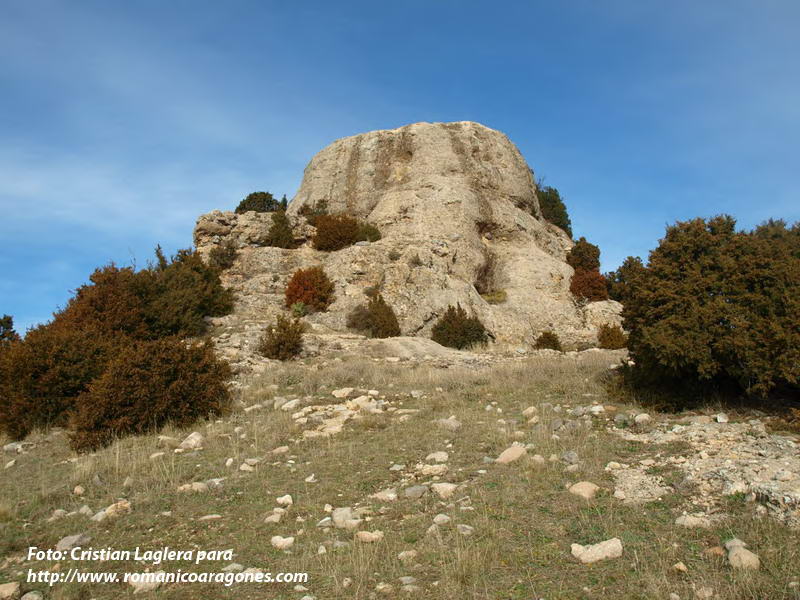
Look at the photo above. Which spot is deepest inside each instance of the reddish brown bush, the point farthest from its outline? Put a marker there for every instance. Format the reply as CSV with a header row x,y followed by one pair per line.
x,y
146,386
41,376
311,287
589,285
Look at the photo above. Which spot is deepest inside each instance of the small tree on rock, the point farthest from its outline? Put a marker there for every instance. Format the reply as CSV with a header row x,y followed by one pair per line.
x,y
311,287
258,202
584,255
553,209
280,232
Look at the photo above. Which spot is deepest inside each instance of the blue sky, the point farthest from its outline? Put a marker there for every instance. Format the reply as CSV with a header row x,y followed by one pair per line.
x,y
121,122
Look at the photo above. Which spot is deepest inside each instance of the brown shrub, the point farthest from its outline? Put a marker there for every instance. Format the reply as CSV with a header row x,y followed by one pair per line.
x,y
611,337
41,376
284,340
375,317
114,301
171,297
335,232
358,318
148,385
548,340
589,285
311,287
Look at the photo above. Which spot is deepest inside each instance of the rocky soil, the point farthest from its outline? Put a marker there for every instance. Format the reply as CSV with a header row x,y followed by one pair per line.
x,y
420,461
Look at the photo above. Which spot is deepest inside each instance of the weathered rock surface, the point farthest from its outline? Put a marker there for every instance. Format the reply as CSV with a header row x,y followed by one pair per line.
x,y
604,550
457,208
740,557
728,458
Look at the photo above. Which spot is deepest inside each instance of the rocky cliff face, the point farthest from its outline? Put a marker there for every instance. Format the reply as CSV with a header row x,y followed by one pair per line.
x,y
457,208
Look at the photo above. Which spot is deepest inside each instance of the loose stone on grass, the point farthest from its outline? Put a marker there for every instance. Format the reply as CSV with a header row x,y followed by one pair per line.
x,y
602,551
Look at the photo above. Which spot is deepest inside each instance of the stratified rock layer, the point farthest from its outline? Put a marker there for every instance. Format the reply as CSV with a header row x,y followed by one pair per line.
x,y
457,209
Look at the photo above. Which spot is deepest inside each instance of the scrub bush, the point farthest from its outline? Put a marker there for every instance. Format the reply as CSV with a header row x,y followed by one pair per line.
x,y
584,256
42,375
311,287
548,341
258,202
714,312
335,232
284,340
456,329
147,385
222,257
588,285
280,232
611,337
375,317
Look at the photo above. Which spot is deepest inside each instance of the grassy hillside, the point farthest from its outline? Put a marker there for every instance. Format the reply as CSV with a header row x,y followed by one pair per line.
x,y
522,516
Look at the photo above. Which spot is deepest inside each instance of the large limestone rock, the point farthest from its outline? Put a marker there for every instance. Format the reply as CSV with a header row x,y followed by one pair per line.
x,y
457,208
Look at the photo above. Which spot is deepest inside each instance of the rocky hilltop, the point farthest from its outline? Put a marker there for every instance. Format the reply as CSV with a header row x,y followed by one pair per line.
x,y
457,208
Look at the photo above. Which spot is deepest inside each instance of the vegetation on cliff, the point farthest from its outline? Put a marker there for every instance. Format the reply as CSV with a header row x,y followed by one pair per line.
x,y
375,317
456,329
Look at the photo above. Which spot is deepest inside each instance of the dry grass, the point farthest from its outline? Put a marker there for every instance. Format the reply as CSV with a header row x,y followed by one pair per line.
x,y
524,519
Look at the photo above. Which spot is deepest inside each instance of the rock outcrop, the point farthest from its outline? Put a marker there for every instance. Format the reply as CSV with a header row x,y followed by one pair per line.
x,y
457,209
